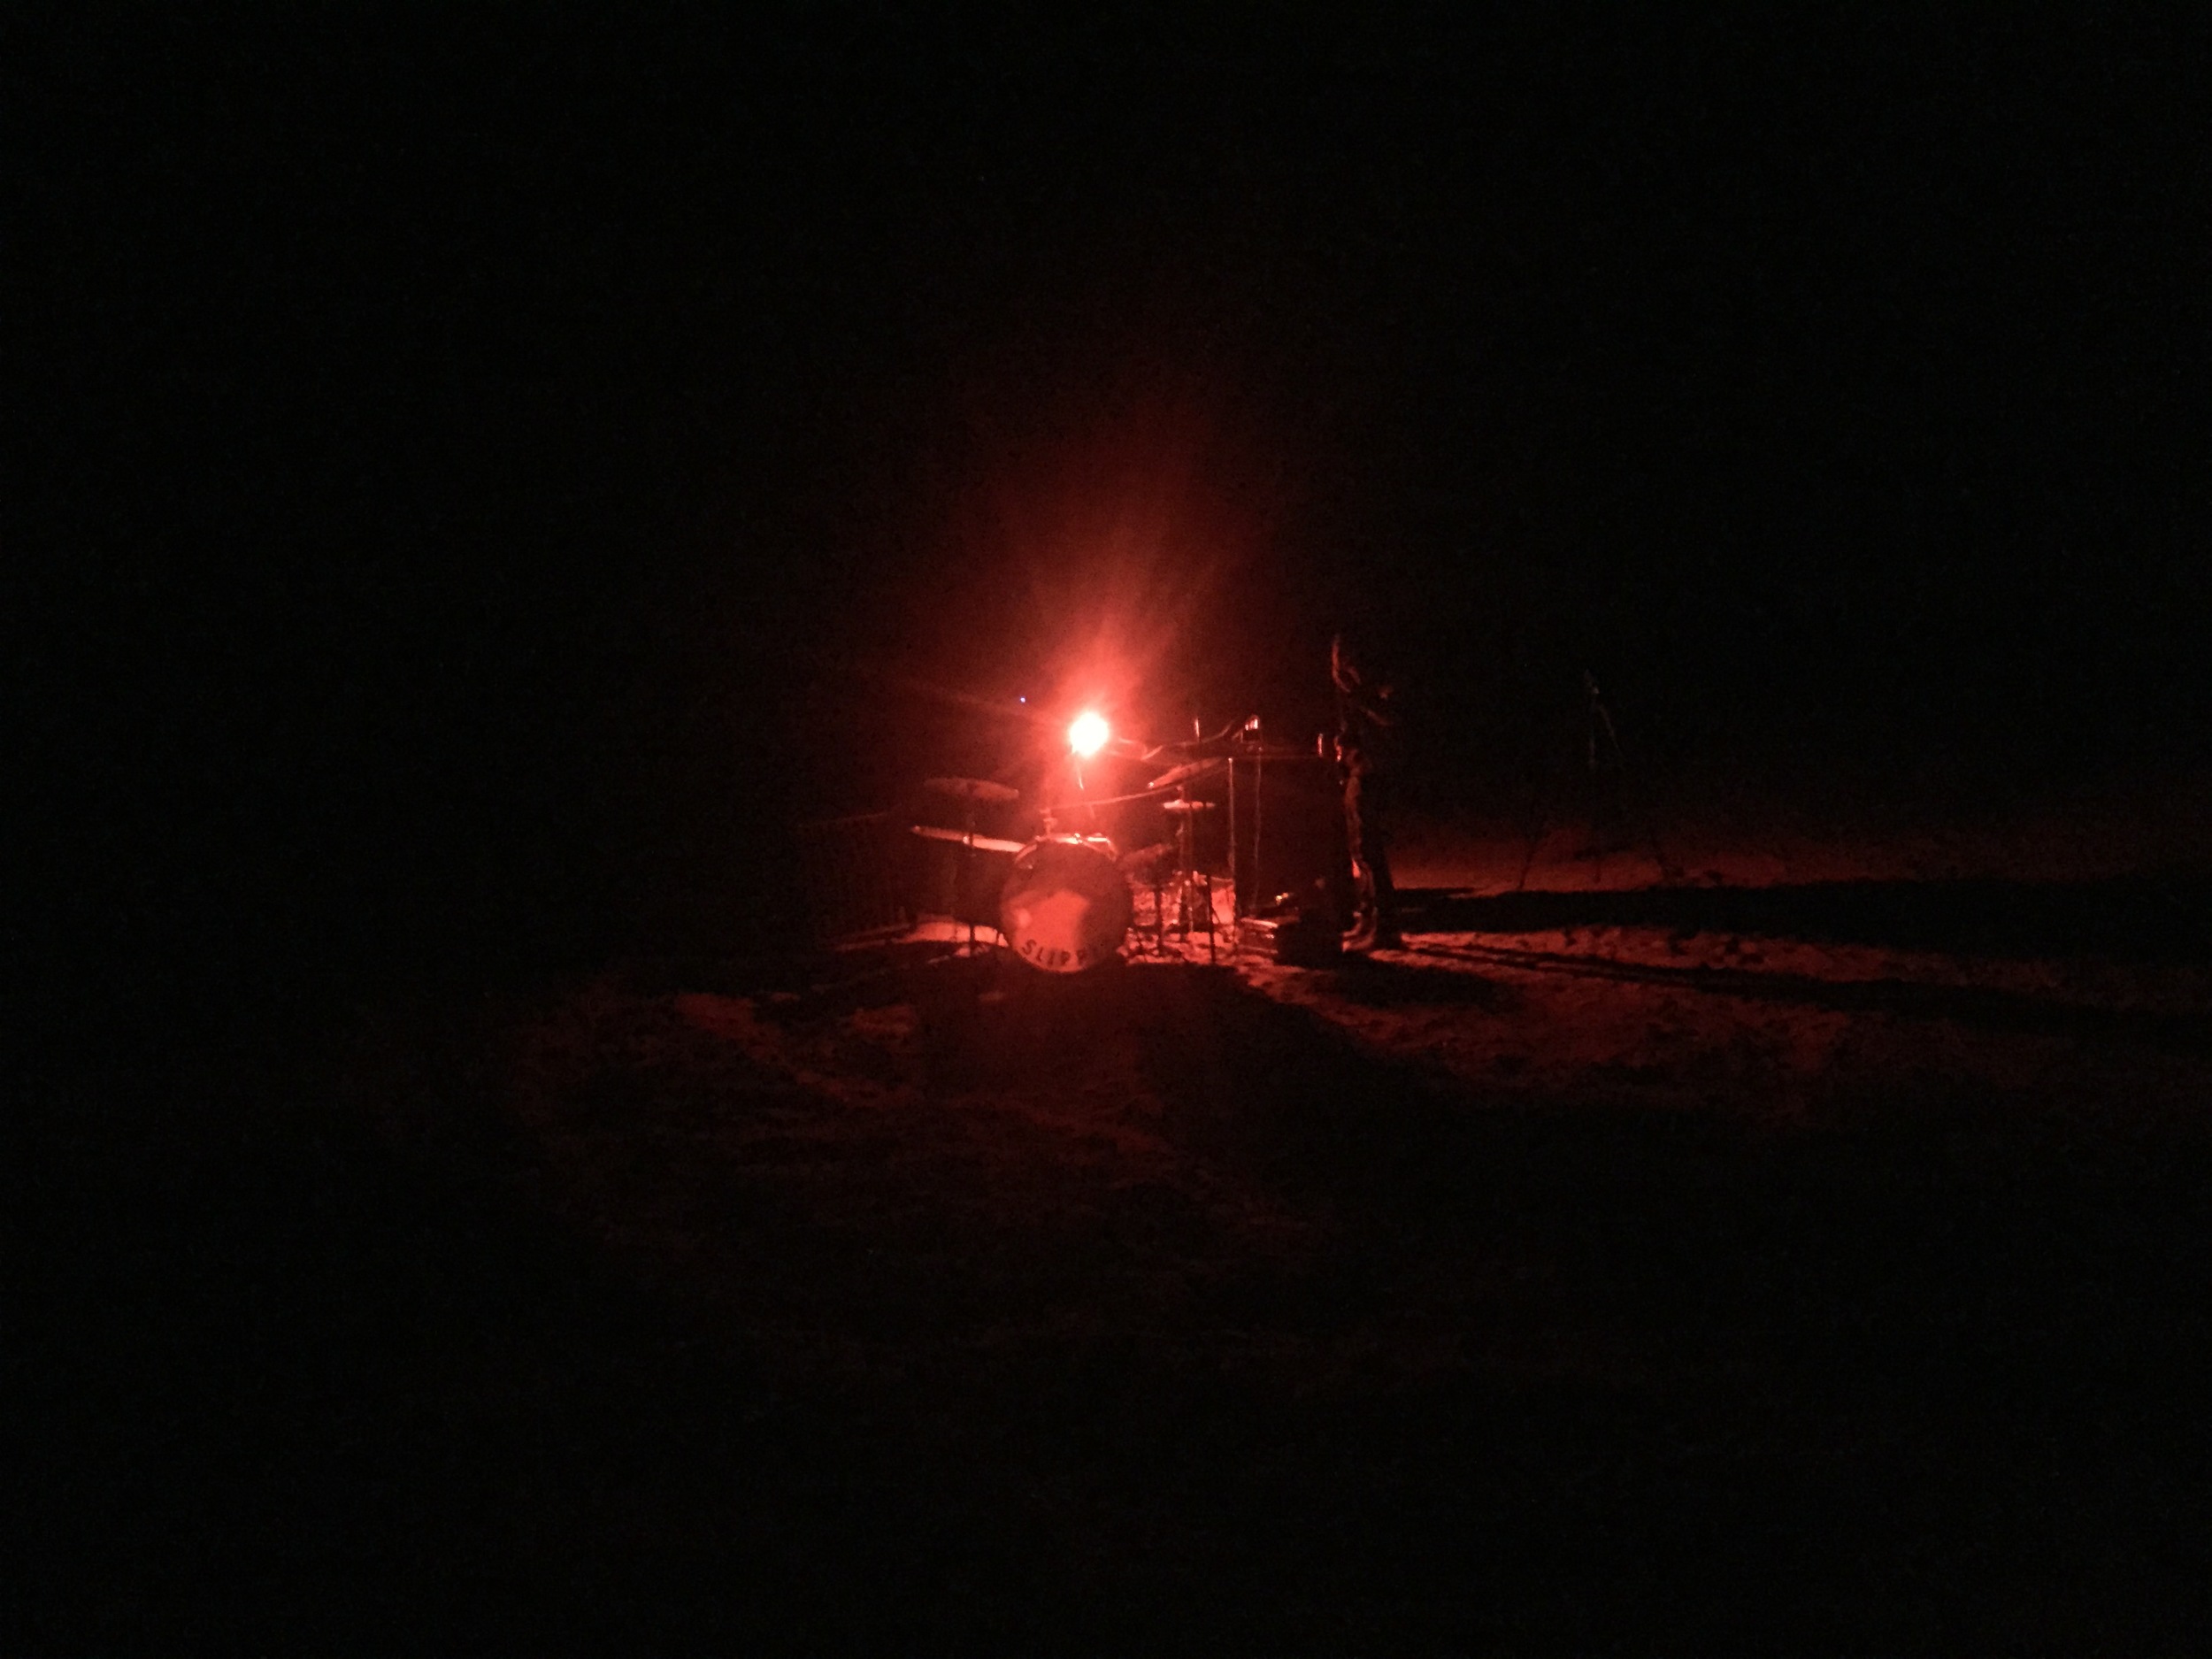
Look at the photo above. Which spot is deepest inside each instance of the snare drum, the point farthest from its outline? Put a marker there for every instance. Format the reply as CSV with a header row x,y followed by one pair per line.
x,y
1066,906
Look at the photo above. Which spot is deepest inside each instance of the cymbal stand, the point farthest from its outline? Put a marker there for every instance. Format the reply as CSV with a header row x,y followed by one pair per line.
x,y
1248,735
1191,883
960,868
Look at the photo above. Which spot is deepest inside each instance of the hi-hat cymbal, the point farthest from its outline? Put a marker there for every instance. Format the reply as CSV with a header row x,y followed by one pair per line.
x,y
1186,806
971,789
1187,772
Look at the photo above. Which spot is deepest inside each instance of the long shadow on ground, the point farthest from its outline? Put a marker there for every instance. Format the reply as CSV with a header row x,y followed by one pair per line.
x,y
2142,918
1985,1006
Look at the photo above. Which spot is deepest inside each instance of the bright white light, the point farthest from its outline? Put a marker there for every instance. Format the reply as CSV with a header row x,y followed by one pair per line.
x,y
1087,735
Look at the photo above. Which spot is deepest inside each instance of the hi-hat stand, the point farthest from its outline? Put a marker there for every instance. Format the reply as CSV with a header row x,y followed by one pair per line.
x,y
1194,889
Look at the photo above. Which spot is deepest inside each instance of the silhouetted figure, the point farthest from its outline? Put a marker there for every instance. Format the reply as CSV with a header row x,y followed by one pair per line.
x,y
1366,743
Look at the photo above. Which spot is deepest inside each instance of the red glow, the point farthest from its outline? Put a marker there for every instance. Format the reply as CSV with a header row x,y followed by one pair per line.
x,y
1087,733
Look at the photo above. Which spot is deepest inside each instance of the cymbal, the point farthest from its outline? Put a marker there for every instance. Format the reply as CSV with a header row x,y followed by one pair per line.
x,y
1188,771
1186,806
961,837
971,789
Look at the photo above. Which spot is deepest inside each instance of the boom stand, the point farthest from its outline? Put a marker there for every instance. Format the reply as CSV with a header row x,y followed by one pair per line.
x,y
1606,769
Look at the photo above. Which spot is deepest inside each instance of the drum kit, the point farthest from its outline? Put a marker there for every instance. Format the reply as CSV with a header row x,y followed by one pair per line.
x,y
1064,902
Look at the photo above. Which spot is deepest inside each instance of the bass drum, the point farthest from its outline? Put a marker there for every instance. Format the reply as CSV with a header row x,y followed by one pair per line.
x,y
1066,906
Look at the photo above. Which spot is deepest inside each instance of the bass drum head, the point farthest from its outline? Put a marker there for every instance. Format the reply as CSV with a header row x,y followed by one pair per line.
x,y
1066,906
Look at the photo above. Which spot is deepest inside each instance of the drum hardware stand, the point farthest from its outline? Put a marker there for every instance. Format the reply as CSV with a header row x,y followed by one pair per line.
x,y
1601,757
1236,910
1190,886
960,869
1187,845
1249,734
970,792
1189,882
967,825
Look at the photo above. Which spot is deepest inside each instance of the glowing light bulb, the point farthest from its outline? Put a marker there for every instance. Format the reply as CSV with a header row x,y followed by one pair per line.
x,y
1087,734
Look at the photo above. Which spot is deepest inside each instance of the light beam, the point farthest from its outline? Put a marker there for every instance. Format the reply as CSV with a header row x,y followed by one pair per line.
x,y
1087,733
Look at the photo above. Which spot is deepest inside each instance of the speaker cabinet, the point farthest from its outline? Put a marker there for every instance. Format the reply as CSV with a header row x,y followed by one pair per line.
x,y
1289,835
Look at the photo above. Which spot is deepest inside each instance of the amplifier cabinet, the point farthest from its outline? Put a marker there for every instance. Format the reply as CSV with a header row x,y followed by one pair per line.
x,y
1287,826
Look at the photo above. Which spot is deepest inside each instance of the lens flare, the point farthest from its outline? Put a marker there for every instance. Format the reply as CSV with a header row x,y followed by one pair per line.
x,y
1087,734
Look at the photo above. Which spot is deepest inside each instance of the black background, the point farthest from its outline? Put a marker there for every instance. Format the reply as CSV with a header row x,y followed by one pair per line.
x,y
474,479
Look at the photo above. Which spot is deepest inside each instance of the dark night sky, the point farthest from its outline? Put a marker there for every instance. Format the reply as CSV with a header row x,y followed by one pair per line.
x,y
458,464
